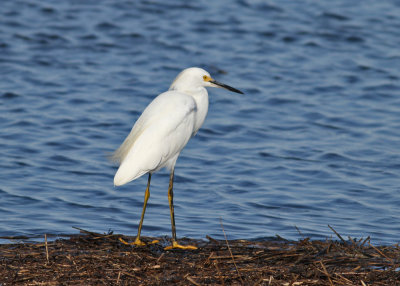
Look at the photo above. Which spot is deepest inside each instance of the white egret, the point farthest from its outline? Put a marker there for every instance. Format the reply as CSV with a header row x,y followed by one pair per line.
x,y
161,132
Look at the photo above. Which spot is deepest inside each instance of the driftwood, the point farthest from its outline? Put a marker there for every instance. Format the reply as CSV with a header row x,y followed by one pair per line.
x,y
100,259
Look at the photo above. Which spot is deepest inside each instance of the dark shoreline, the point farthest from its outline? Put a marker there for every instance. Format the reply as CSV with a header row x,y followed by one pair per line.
x,y
96,259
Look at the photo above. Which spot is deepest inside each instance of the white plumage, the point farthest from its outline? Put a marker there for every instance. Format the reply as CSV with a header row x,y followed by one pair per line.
x,y
158,136
163,130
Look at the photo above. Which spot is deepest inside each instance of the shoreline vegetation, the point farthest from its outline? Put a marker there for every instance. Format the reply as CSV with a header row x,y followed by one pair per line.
x,y
91,258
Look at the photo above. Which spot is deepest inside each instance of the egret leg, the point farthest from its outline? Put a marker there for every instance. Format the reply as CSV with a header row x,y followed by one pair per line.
x,y
137,241
171,209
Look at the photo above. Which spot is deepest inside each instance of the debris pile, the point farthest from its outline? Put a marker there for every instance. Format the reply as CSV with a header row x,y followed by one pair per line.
x,y
93,259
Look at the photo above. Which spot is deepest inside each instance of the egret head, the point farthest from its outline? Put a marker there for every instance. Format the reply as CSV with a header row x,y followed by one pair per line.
x,y
193,78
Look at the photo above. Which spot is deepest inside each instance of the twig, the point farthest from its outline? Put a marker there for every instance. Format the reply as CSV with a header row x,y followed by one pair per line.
x,y
280,237
365,240
298,230
192,281
47,249
88,232
259,281
326,273
119,275
338,235
212,239
161,256
219,273
352,241
380,252
96,235
344,278
230,251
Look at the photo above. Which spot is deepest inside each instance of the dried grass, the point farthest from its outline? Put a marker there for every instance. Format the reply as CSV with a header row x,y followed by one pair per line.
x,y
97,259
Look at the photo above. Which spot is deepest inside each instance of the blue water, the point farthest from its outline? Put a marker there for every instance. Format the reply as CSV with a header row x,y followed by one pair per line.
x,y
314,141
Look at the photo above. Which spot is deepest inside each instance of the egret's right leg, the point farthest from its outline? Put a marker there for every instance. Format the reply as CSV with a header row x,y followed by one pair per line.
x,y
137,241
175,244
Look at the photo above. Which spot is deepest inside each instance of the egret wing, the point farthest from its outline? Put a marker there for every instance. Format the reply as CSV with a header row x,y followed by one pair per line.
x,y
158,136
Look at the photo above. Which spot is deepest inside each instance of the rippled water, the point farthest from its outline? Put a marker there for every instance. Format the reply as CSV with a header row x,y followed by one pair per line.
x,y
315,140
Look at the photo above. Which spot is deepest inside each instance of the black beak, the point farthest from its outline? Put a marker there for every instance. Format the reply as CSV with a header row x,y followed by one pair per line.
x,y
226,86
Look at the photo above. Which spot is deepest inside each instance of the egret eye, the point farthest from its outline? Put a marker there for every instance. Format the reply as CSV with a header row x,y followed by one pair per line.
x,y
206,78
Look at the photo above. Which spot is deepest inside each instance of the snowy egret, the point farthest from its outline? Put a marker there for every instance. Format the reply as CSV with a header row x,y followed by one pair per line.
x,y
161,132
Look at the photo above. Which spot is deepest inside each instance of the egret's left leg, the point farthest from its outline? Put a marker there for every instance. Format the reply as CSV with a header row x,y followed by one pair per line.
x,y
137,241
171,209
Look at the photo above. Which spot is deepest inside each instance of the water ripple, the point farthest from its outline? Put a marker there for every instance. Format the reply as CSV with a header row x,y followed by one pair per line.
x,y
314,141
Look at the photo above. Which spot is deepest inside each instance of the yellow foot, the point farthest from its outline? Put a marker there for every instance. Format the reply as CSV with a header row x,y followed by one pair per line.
x,y
176,245
137,242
